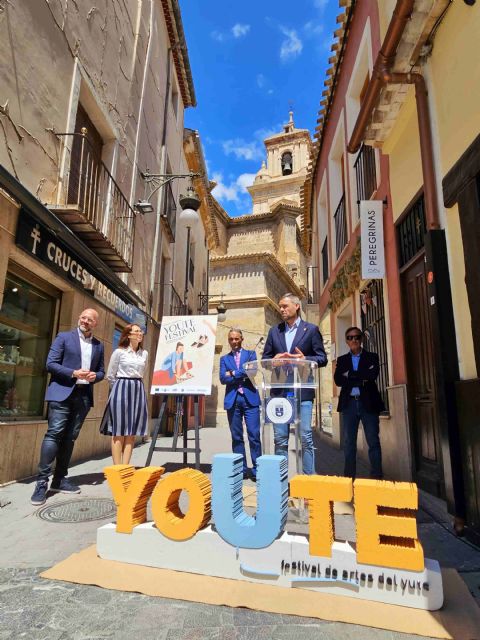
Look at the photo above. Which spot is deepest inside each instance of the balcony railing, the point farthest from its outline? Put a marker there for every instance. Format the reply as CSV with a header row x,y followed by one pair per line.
x,y
366,173
325,273
340,219
92,204
312,293
169,212
177,308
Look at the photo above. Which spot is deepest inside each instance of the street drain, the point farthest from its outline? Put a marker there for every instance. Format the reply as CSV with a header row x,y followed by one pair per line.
x,y
79,510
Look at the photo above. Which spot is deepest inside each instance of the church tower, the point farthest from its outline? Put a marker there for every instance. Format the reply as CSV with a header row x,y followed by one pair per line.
x,y
259,256
282,176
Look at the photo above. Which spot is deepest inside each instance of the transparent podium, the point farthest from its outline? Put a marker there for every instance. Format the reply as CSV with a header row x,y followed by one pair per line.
x,y
282,384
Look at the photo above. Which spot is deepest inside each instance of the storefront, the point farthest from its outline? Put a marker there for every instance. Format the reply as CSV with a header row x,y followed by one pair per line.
x,y
47,277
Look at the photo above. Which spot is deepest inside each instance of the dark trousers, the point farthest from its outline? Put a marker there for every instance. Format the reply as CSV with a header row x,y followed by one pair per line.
x,y
351,416
65,420
243,410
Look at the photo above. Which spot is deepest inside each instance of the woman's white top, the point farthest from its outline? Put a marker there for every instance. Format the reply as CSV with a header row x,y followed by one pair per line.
x,y
127,363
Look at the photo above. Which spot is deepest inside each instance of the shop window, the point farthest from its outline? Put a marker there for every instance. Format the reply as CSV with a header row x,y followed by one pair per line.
x,y
27,317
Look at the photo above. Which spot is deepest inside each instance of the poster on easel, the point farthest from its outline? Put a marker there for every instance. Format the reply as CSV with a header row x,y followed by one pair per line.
x,y
185,354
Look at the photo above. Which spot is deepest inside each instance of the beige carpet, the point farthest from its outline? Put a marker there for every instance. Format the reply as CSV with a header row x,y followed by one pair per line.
x,y
459,619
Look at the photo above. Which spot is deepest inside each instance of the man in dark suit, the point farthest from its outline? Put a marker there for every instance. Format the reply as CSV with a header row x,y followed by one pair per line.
x,y
75,362
241,401
360,399
295,339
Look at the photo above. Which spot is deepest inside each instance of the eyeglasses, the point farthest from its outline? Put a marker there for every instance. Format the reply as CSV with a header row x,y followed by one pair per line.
x,y
355,337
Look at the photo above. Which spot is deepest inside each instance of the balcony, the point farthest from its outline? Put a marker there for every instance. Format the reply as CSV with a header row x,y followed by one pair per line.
x,y
340,219
92,204
366,173
325,273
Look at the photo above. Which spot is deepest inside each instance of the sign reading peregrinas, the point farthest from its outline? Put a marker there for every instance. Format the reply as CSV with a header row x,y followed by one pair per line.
x,y
373,253
36,239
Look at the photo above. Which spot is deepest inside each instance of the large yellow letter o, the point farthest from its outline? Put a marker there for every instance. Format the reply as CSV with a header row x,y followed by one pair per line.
x,y
167,515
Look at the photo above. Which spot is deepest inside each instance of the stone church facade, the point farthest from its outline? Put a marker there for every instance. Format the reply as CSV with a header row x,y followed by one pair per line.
x,y
259,257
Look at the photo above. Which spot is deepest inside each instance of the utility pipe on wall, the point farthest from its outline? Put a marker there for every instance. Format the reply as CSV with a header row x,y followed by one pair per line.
x,y
381,76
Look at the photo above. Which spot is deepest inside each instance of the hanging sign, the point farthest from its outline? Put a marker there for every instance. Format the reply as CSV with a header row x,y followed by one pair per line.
x,y
373,252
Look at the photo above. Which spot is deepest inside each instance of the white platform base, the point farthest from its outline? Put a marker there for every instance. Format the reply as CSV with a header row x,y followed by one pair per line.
x,y
285,563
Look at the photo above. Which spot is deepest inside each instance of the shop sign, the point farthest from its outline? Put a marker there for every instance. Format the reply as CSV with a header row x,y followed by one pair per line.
x,y
36,239
373,252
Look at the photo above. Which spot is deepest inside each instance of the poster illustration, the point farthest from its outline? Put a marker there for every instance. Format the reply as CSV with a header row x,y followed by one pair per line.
x,y
185,352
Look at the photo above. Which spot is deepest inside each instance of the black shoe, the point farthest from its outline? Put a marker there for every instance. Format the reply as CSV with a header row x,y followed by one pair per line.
x,y
39,496
64,486
246,475
253,477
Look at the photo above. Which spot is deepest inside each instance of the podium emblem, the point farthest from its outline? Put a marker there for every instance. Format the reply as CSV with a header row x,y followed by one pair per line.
x,y
279,410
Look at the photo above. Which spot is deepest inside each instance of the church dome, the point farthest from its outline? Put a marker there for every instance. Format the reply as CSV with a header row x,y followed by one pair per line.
x,y
262,173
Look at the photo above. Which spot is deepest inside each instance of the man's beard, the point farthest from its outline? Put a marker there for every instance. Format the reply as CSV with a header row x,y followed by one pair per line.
x,y
84,330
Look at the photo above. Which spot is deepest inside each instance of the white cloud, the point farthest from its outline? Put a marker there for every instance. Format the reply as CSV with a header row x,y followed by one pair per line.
x,y
320,4
245,180
234,191
240,30
292,46
261,80
313,29
242,149
218,36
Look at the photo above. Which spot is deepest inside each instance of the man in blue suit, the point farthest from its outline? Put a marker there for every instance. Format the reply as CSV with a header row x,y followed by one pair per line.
x,y
75,362
295,339
241,401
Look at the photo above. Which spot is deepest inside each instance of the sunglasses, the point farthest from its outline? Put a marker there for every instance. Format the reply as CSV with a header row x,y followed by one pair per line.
x,y
355,337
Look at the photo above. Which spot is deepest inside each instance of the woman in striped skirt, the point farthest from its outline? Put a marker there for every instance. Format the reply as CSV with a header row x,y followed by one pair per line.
x,y
125,415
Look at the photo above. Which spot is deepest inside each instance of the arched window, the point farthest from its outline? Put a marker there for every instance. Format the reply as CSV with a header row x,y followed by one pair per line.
x,y
287,163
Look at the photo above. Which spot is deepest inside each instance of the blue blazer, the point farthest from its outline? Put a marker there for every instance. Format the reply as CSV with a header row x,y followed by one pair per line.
x,y
63,358
307,338
239,379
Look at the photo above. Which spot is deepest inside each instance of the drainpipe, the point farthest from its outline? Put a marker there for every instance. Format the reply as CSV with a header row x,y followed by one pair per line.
x,y
381,76
381,69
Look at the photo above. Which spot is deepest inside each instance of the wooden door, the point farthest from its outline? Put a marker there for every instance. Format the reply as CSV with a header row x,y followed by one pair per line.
x,y
423,407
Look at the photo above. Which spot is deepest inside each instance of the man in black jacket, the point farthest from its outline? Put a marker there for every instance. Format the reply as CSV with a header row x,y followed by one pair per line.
x,y
360,399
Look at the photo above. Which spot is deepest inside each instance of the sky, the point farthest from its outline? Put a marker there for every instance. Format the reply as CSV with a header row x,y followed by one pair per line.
x,y
251,61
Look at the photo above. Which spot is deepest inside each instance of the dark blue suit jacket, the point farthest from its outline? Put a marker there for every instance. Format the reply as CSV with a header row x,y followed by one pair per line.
x,y
239,379
364,379
307,338
64,358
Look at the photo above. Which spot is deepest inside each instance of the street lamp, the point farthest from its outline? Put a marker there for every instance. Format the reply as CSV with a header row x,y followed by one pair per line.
x,y
157,181
189,217
203,299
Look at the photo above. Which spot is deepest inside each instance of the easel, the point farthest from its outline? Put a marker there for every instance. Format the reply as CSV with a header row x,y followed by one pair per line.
x,y
180,414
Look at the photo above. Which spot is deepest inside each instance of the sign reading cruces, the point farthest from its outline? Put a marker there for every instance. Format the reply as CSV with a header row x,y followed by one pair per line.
x,y
37,240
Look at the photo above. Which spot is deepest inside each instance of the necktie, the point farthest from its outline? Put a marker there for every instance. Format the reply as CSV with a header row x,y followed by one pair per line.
x,y
237,364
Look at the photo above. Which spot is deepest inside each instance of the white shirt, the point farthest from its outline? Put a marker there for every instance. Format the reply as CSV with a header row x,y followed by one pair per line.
x,y
86,351
127,363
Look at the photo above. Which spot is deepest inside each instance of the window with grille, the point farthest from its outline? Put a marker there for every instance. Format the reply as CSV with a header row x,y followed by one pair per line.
x,y
411,231
373,325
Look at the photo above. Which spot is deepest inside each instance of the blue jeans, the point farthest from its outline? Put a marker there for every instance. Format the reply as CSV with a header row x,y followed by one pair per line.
x,y
351,416
240,410
281,433
65,420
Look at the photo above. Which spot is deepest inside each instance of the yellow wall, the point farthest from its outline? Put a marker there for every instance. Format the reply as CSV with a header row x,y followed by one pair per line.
x,y
403,147
455,76
456,81
461,309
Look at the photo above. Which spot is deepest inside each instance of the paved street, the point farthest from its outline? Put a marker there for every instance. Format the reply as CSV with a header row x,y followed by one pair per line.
x,y
34,608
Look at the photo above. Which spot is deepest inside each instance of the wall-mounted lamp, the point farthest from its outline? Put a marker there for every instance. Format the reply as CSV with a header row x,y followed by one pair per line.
x,y
203,299
156,182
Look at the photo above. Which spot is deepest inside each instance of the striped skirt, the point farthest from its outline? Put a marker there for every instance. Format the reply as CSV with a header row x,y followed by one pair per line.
x,y
126,410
